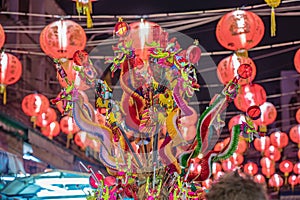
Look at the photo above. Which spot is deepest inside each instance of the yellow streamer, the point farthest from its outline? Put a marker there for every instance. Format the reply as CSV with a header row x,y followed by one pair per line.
x,y
3,91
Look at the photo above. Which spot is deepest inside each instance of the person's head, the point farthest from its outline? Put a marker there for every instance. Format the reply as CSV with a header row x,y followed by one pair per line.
x,y
235,187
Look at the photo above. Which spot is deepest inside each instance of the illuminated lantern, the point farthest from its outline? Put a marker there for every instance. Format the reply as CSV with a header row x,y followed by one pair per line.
x,y
45,118
250,95
216,167
298,116
268,114
228,165
250,168
207,183
267,163
10,71
273,153
258,178
276,181
219,174
295,134
228,69
193,53
242,146
268,172
69,127
34,104
81,139
297,62
296,168
236,159
262,143
2,36
219,146
293,180
121,28
143,33
286,167
51,130
240,30
62,38
279,139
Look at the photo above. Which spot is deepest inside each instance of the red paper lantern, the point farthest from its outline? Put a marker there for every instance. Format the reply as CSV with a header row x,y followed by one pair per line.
x,y
68,125
293,180
279,139
193,54
219,146
250,95
228,165
240,29
34,104
267,163
268,172
228,69
258,178
242,146
207,183
273,153
276,181
2,36
216,167
62,38
81,139
45,118
297,62
10,71
121,28
251,168
286,167
298,116
296,168
262,143
51,130
268,114
236,159
295,134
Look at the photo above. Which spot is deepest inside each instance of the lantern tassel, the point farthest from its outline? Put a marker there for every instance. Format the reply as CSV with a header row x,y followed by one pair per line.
x,y
89,21
3,91
273,22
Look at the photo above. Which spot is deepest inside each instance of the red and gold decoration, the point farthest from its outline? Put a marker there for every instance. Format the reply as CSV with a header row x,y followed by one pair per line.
x,y
51,130
85,7
121,28
10,71
273,4
2,36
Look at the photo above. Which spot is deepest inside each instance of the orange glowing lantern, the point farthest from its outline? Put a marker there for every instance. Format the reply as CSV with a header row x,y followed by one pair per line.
x,y
267,163
2,36
51,130
10,71
242,146
62,38
121,28
251,168
45,118
296,168
143,33
268,172
276,181
240,30
34,104
228,69
207,183
279,139
268,114
216,167
258,178
193,53
69,127
228,165
293,180
250,95
286,167
236,159
262,143
295,134
297,62
81,139
219,146
273,153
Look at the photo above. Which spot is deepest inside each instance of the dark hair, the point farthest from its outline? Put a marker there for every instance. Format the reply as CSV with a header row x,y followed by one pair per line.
x,y
233,186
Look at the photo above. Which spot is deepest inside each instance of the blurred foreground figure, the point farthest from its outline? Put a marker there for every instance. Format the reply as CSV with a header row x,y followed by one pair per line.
x,y
233,186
